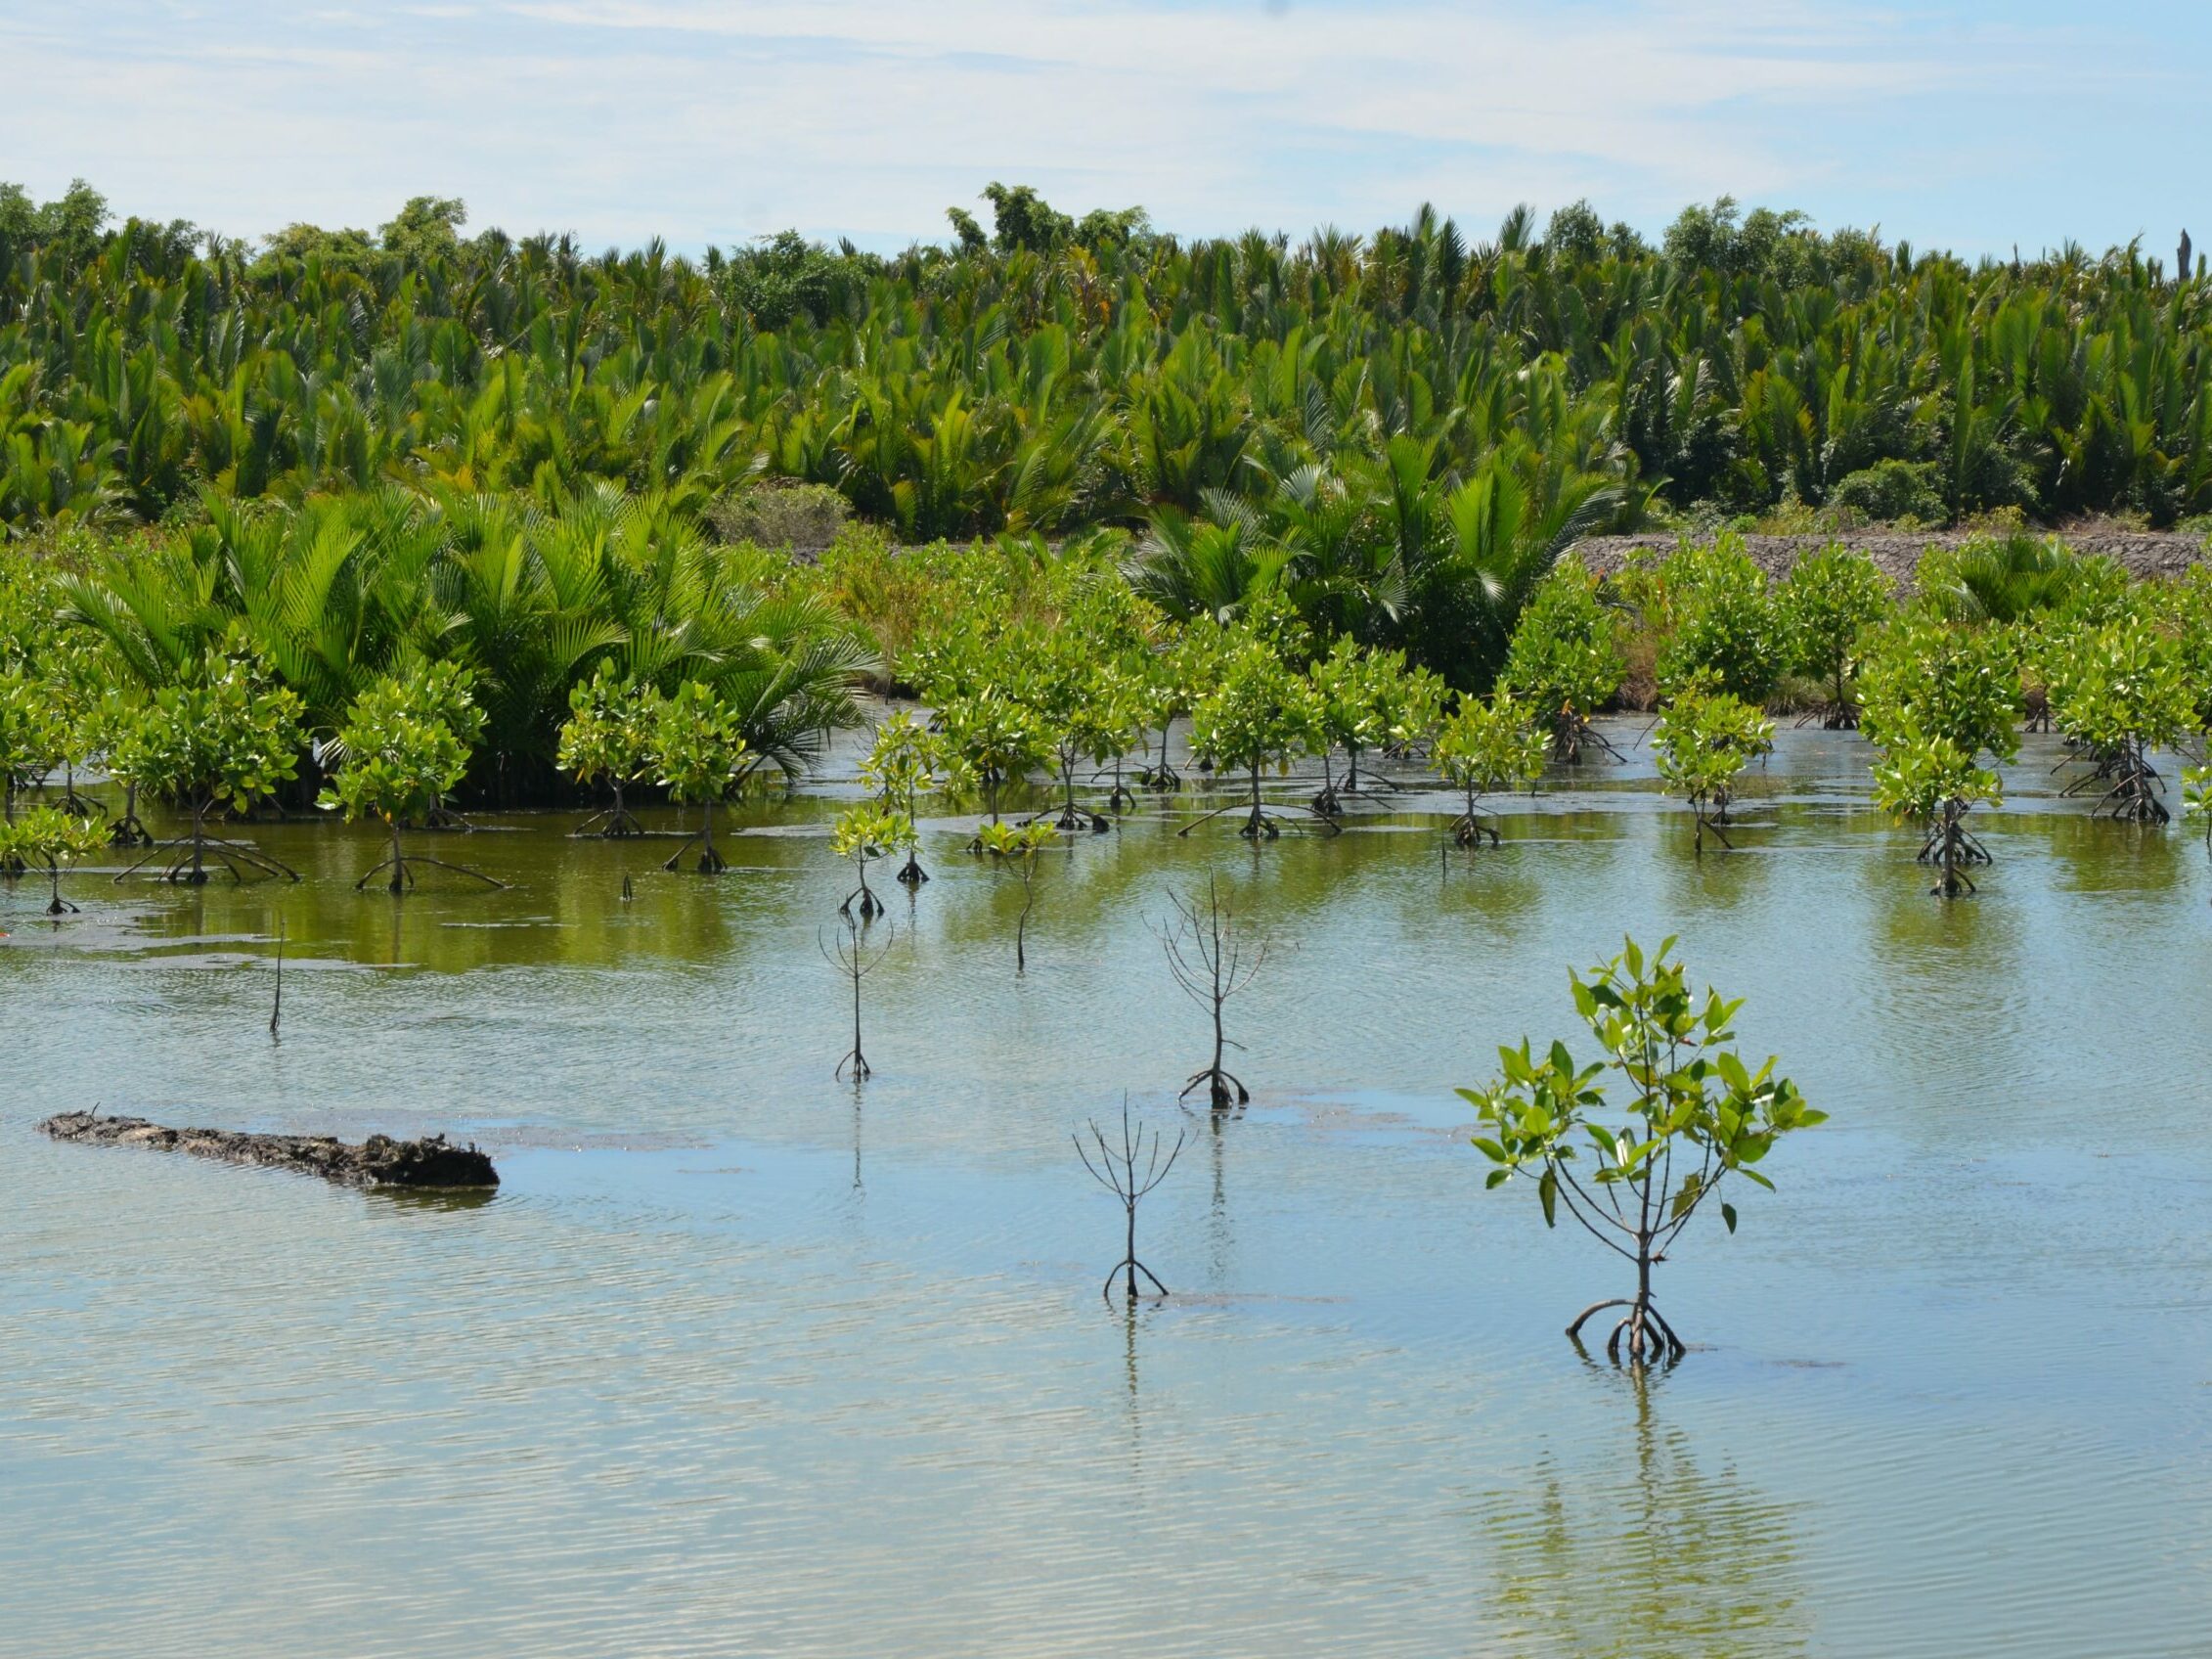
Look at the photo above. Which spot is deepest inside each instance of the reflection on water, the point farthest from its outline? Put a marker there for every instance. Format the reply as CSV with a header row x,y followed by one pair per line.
x,y
1663,1560
740,1360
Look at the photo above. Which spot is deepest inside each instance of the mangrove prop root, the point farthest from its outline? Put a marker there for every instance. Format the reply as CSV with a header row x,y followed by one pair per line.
x,y
378,1162
128,831
615,824
1219,1085
1467,831
911,873
403,872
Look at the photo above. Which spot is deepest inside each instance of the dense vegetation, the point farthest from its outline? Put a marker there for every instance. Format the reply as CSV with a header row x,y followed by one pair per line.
x,y
1333,403
413,521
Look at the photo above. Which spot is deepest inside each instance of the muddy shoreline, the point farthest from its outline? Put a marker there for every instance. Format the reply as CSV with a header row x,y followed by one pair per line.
x,y
2141,552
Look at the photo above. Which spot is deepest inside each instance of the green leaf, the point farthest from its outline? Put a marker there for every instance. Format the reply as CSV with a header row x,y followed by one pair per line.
x,y
1547,1193
1728,1215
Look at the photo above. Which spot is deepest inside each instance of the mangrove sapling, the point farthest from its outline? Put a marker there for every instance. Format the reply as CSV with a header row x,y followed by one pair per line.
x,y
1261,713
1489,745
1934,699
48,838
225,737
1727,632
103,731
1691,1100
996,741
856,962
2120,691
905,759
865,833
1564,658
701,758
1213,956
1830,600
397,756
1021,842
606,738
1118,1173
1703,740
1932,782
31,736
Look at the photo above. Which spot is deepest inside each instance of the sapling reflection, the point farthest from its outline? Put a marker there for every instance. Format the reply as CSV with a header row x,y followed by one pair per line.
x,y
1695,1116
1213,956
1120,1173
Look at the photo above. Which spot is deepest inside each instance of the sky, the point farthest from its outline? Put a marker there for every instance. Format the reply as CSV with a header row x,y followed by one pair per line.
x,y
1968,124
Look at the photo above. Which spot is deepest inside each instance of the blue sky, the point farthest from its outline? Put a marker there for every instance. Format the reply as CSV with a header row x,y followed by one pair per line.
x,y
1971,124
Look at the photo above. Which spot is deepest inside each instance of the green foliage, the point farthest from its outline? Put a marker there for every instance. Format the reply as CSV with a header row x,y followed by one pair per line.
x,y
1728,631
2123,683
699,754
225,735
1486,746
1703,741
866,832
405,744
1017,841
1828,600
2197,799
32,738
607,736
996,740
1920,775
1690,1115
48,838
1564,659
1923,679
1259,712
1891,492
906,760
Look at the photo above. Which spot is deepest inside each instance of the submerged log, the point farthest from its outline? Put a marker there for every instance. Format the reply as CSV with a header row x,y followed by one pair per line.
x,y
378,1162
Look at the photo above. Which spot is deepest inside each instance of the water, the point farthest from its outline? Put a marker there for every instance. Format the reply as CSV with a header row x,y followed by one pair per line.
x,y
738,1362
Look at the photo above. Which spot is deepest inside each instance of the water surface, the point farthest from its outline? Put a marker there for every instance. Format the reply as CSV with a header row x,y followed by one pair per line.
x,y
740,1360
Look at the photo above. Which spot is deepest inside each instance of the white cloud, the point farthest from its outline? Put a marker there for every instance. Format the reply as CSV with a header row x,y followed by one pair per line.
x,y
699,120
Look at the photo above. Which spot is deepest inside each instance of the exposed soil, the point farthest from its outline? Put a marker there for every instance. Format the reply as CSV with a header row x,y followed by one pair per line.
x,y
378,1162
2142,553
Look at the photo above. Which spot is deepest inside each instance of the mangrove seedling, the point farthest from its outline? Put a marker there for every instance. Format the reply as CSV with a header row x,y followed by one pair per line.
x,y
865,833
606,738
905,759
1021,842
702,758
1116,1171
1934,699
1564,658
224,737
2119,692
1485,747
31,738
1703,740
1213,956
1695,1116
1830,601
1261,713
398,755
995,739
1930,782
48,838
2197,801
856,962
103,731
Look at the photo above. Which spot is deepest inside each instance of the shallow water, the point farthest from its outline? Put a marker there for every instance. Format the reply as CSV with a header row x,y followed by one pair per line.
x,y
739,1362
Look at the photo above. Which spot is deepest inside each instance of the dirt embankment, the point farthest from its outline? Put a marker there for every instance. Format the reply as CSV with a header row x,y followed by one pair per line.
x,y
2142,553
378,1162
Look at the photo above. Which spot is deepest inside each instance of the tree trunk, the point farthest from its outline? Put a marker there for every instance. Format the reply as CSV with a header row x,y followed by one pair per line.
x,y
399,866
